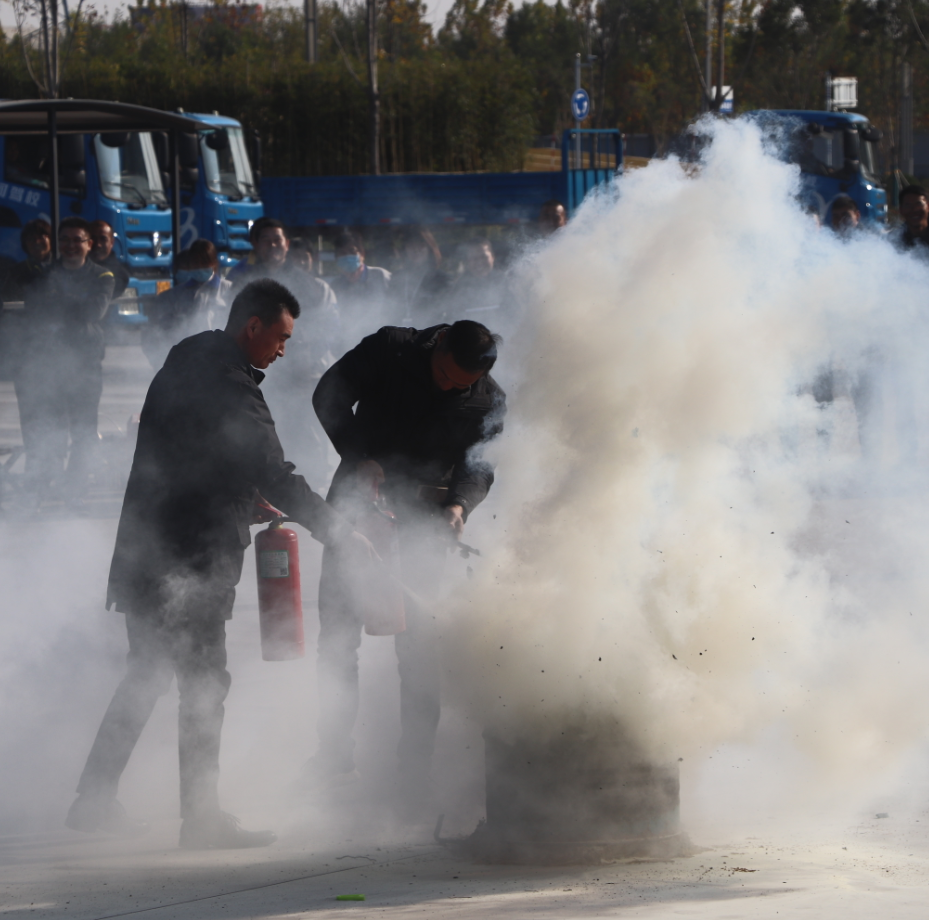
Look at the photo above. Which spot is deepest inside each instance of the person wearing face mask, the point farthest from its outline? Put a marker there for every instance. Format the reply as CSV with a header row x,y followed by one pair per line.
x,y
193,305
362,289
58,389
103,254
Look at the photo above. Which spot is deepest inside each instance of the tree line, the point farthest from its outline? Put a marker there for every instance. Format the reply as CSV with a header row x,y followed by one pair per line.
x,y
474,93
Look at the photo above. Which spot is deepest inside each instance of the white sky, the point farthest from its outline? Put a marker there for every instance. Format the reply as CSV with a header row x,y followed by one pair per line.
x,y
436,9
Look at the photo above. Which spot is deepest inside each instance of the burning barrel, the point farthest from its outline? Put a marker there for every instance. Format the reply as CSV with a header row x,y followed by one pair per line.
x,y
582,796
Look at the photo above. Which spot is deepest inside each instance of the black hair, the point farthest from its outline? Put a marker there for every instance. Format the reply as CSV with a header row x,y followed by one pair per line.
x,y
912,190
472,345
551,205
267,299
348,240
845,203
201,251
302,244
77,223
263,223
33,229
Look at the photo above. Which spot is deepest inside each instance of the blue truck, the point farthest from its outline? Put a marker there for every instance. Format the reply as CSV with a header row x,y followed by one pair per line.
x,y
224,202
124,179
589,159
837,154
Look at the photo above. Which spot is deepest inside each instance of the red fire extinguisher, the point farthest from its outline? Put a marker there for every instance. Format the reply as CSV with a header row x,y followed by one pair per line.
x,y
379,595
280,609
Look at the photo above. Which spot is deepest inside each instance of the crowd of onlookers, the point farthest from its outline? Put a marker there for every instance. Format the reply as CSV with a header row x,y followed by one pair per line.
x,y
56,358
55,352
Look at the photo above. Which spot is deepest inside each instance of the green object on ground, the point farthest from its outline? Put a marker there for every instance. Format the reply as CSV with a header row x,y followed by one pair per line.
x,y
350,897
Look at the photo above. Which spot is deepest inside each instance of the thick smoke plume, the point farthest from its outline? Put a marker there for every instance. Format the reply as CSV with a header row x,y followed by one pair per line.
x,y
692,541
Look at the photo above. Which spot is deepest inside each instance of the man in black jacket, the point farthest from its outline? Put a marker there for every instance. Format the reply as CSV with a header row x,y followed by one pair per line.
x,y
206,448
60,381
425,402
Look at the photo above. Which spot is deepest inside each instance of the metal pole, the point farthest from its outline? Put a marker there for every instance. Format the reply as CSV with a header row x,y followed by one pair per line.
x,y
708,61
721,51
309,29
828,91
577,123
175,202
906,119
56,204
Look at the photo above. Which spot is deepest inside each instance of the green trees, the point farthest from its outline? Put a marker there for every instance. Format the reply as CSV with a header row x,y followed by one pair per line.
x,y
471,94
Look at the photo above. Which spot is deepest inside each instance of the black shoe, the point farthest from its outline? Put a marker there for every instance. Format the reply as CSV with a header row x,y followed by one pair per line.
x,y
221,832
91,815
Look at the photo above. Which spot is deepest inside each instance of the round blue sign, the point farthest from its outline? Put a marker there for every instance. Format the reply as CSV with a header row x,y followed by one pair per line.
x,y
580,104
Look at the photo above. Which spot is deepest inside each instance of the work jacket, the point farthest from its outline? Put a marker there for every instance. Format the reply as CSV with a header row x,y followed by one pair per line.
x,y
64,312
419,434
206,445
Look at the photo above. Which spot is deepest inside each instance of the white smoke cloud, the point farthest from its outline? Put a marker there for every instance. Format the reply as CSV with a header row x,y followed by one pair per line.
x,y
676,552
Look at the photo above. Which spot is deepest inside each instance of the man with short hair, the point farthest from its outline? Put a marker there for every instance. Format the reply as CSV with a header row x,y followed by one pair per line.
x,y
271,245
59,387
36,241
424,404
481,289
845,215
914,209
552,217
206,448
102,254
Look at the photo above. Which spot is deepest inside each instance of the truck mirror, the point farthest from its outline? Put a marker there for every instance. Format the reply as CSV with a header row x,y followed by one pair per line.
x,y
852,145
115,139
218,140
71,151
188,151
160,143
872,134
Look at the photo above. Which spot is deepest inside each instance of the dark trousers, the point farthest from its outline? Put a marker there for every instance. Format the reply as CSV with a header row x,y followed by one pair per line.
x,y
57,402
422,556
196,653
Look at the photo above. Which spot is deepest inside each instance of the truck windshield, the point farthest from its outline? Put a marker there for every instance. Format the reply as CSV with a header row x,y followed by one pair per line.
x,y
822,154
868,154
130,173
228,171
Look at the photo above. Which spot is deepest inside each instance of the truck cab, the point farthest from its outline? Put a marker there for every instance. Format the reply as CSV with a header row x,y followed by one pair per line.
x,y
225,201
836,153
113,177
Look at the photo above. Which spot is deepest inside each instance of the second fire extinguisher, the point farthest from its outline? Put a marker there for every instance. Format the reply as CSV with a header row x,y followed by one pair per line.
x,y
280,607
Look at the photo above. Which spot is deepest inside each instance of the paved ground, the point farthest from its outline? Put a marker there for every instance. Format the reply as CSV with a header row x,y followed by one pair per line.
x,y
61,656
854,872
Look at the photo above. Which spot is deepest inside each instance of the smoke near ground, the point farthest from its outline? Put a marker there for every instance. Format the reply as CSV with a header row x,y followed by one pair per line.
x,y
712,485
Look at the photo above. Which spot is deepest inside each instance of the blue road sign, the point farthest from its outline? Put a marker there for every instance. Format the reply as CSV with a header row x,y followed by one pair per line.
x,y
580,104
